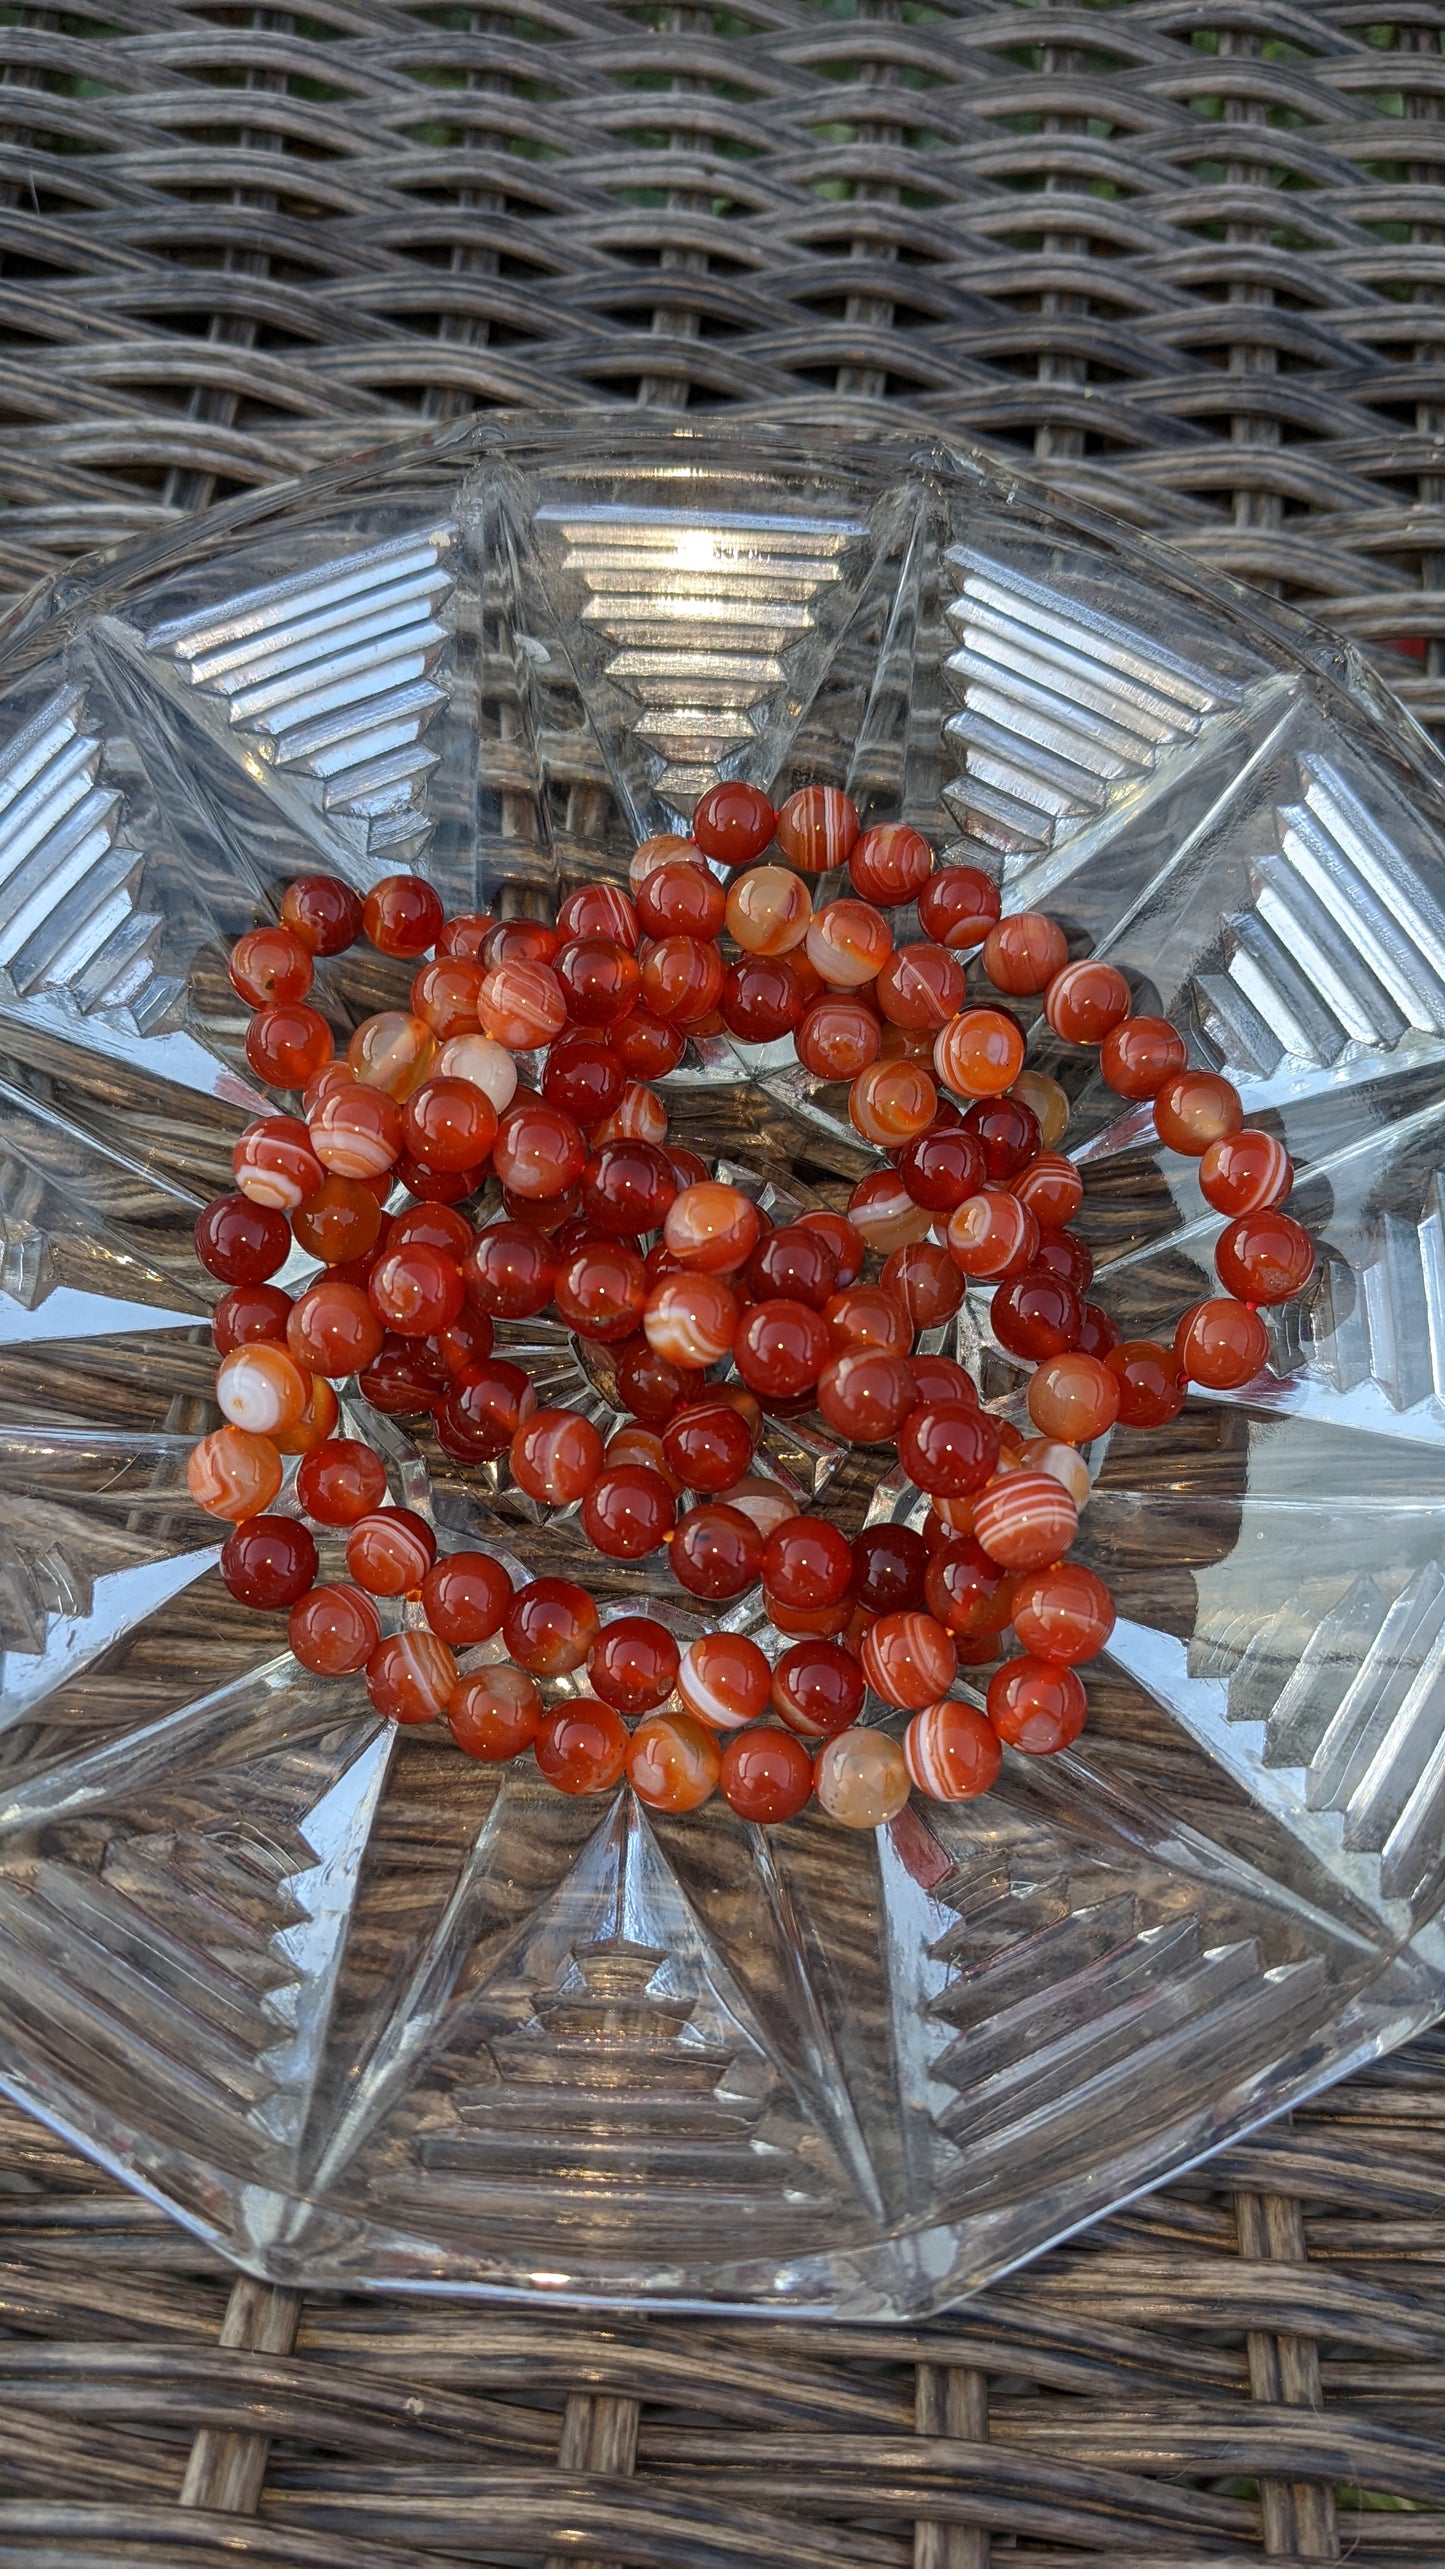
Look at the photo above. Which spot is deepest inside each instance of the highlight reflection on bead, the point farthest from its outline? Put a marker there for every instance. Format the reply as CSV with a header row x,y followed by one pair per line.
x,y
952,1751
262,1389
725,1680
673,1762
1025,1520
860,1779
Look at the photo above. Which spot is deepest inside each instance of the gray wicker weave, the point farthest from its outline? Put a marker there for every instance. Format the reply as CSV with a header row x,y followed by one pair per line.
x,y
1188,262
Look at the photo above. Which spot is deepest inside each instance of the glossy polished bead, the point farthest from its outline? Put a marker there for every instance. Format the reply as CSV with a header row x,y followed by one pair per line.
x,y
415,1289
494,1714
1037,1706
890,864
639,1116
241,1242
1035,1315
269,1562
795,1263
680,897
340,1480
600,1291
465,935
673,1762
600,978
970,1594
1196,1109
509,1270
781,1348
333,1329
817,829
865,1394
584,1077
402,915
390,1552
920,988
1046,1102
1264,1257
316,1423
356,1131
942,1167
1073,1397
1151,1388
939,1378
604,910
333,1630
1025,1520
979,1053
1065,1613
1051,1188
681,978
550,1626
484,1064
713,1227
392,1052
539,1151
926,1281
1048,1454
992,1236
270,965
481,1412
765,1776
1085,1001
647,1046
768,911
633,1664
1098,1333
761,998
628,1511
1221,1344
837,1038
461,1344
234,1474
847,943
449,1124
556,1455
648,1385
733,822
411,1677
908,1658
548,1214
708,1446
274,1164
287,1043
892,1102
581,1747
817,1689
1007,1134
248,1315
519,941
860,1779
846,1244
1245,1173
716,1551
401,1382
652,852
889,1563
951,1751
340,1224
465,1596
1022,954
323,912
444,995
958,906
1141,1056
521,1005
628,1187
808,1562
948,1449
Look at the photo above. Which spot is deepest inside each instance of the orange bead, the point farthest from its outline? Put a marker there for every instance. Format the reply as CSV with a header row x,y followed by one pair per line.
x,y
1245,1173
341,1221
1046,1102
860,1779
1025,1520
521,1005
1264,1257
979,1054
1140,1055
1022,954
711,1226
411,1677
890,864
868,1315
233,1474
355,1130
1063,1613
884,1214
909,1659
556,1456
673,1762
316,1423
892,1101
1073,1397
496,1713
393,1052
1052,1189
951,1751
582,1746
992,1235
1085,1001
768,910
262,1388
848,943
920,988
927,1281
1221,1344
817,829
444,995
333,1330
837,1038
1196,1109
1036,1706
1151,1391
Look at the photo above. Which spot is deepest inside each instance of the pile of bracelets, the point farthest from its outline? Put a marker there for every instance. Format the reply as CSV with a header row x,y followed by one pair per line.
x,y
713,1317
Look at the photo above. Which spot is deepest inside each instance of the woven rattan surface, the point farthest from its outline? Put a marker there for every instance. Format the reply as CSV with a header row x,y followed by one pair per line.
x,y
1188,262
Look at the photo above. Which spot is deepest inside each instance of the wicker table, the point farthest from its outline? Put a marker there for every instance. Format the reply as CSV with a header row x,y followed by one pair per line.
x,y
1187,262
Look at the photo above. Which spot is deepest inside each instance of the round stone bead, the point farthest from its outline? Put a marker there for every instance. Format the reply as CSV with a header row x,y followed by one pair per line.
x,y
1142,1055
1035,1315
466,935
1025,1520
1098,1334
556,1456
808,1562
716,1551
761,998
1065,1613
484,1064
389,1552
726,1681
860,1779
241,1242
393,1052
942,1167
795,1263
402,1383
519,941
1047,1454
846,1243
647,1046
708,1446
920,988
323,912
269,1561
889,1562
333,1630
340,1480
340,1224
633,1664
681,978
865,1394
979,1053
652,852
768,911
604,910
449,1124
521,1005
270,964
601,980
1037,1706
712,1226
481,1412
274,1164
415,1289
1151,1389
628,1187
765,1776
891,1102
968,1592
444,995
939,1378
287,1043
648,1386
992,1236
1085,1001
249,1314
600,1291
581,1747
1196,1109
316,1423
411,1677
1007,1134
764,1501
847,943
1073,1397
909,1659
681,897
884,1214
673,1762
510,1270
639,1116
402,915
539,1151
1264,1257
1046,1102
948,1449
628,1511
958,906
550,1626
466,1595
356,1131
793,1621
495,1714
1052,1189
733,822
462,1344
837,1037
890,864
1221,1344
1245,1173
233,1473
781,1348
1022,954
817,829
261,1388
1067,1256
951,1751
584,1077
817,1689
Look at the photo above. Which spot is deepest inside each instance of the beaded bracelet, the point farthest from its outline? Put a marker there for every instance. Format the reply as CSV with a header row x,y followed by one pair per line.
x,y
715,1318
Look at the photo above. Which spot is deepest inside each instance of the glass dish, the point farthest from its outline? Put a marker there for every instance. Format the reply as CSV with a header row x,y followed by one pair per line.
x,y
361,2011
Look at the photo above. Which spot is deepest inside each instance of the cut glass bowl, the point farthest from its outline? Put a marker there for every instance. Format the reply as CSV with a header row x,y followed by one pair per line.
x,y
360,2010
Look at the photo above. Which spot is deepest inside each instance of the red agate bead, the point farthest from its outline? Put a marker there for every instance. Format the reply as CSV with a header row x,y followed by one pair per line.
x,y
951,1751
249,1314
708,1446
479,1414
416,1290
761,998
1085,1001
496,1713
765,1776
889,1562
1245,1173
584,1077
628,1188
910,1659
390,1552
716,1551
270,964
274,1164
411,1677
733,822
402,915
556,1455
1151,1390
958,905
927,1282
521,1004
681,978
817,829
648,1385
884,1214
323,912
1073,1397
600,980
600,1291
340,1480
1141,1055
449,1124
287,1043
269,1561
1025,1520
1063,1613
725,1680
992,1235
550,1626
865,1394
1037,1314
892,1102
979,1053
1007,1134
1196,1109
1221,1344
465,1596
1022,954
920,987
1036,1705
241,1242
466,934
628,1511
510,1269
1264,1257
942,1166
673,1762
602,910
333,1329
444,994
808,1562
356,1131
582,1746
333,1630
781,1348
948,1449
633,1664
890,864
681,897
539,1151
837,1038
1052,1189
967,1591
340,1223
817,1689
